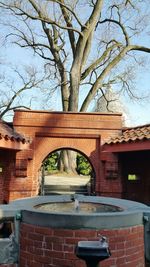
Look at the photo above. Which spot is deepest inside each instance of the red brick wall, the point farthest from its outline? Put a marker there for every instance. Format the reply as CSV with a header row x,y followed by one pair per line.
x,y
1,188
42,247
7,162
50,131
110,176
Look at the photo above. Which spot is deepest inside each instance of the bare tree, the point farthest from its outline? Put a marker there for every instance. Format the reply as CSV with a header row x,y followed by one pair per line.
x,y
82,41
85,43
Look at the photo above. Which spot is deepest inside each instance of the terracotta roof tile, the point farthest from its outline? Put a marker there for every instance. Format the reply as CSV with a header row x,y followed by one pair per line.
x,y
132,134
8,132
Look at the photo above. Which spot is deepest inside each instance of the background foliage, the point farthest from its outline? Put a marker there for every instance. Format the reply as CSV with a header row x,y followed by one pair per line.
x,y
52,161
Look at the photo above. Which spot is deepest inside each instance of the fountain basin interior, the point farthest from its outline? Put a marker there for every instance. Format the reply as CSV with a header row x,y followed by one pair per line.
x,y
83,207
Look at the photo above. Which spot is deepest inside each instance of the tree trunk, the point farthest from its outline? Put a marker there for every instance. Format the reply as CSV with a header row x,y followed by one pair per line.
x,y
67,161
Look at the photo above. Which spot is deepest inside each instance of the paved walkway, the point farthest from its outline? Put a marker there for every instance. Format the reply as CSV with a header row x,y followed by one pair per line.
x,y
66,180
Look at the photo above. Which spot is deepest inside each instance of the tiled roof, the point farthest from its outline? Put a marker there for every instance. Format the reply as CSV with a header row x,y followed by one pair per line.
x,y
8,133
132,135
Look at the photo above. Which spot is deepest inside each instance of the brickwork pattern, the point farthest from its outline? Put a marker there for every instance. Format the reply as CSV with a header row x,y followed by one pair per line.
x,y
43,247
7,164
50,131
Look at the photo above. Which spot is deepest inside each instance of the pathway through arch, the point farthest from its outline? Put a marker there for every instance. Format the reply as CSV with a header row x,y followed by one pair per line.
x,y
61,183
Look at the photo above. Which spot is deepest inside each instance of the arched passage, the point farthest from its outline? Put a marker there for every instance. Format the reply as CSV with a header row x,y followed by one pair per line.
x,y
54,181
88,147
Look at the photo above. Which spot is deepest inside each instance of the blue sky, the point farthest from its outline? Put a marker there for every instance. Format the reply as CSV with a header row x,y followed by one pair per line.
x,y
139,112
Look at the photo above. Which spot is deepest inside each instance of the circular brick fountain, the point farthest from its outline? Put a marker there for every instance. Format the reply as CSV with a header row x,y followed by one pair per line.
x,y
48,238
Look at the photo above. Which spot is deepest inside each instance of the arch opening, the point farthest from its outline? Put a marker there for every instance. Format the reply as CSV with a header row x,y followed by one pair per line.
x,y
57,179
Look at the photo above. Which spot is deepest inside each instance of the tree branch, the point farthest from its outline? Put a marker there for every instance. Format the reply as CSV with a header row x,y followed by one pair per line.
x,y
99,60
120,25
109,67
8,99
69,24
44,18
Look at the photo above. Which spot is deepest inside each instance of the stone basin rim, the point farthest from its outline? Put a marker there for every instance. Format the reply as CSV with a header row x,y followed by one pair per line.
x,y
130,216
32,202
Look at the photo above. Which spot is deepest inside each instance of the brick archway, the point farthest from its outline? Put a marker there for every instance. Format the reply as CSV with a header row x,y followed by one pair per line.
x,y
87,145
80,183
49,131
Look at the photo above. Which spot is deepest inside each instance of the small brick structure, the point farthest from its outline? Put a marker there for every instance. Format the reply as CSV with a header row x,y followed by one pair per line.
x,y
114,152
51,131
132,148
42,247
10,143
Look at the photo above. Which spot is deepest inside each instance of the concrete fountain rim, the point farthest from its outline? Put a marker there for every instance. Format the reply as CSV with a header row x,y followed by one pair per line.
x,y
131,215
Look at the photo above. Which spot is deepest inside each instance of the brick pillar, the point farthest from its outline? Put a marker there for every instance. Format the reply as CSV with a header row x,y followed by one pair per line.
x,y
111,178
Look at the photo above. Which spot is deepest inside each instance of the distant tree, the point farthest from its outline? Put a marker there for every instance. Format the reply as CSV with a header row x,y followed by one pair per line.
x,y
13,89
83,165
51,162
